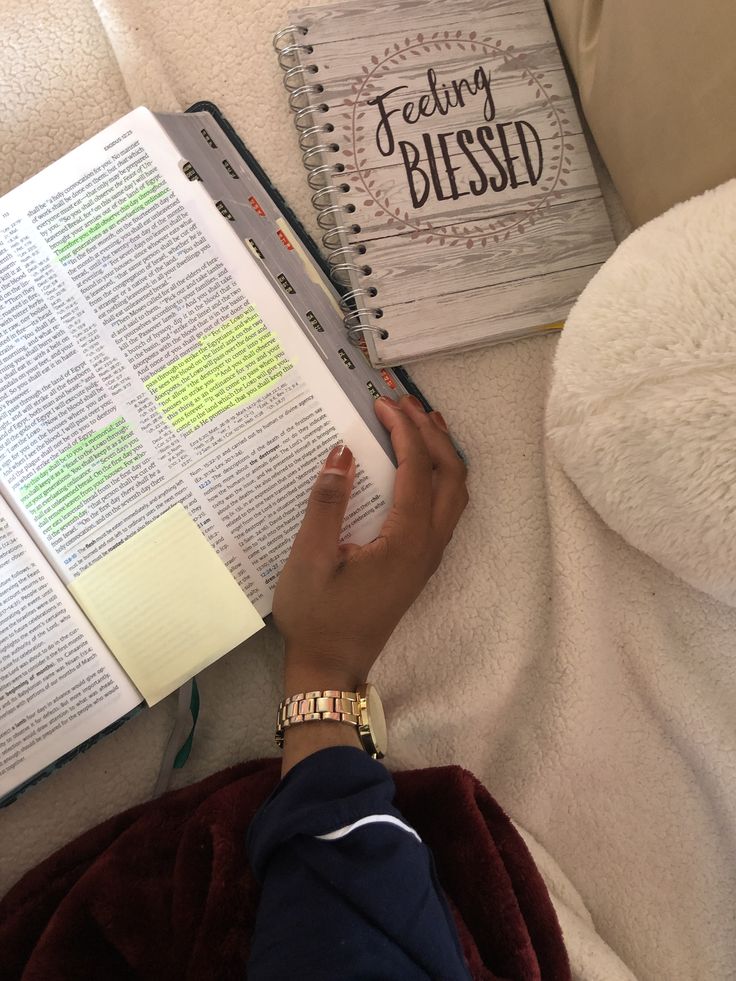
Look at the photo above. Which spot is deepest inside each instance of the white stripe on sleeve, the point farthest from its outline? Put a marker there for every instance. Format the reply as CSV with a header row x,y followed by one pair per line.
x,y
370,819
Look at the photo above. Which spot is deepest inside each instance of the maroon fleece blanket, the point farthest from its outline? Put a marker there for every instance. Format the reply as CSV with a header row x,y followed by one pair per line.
x,y
164,891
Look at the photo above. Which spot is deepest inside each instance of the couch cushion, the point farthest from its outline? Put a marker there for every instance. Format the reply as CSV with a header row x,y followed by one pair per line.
x,y
657,81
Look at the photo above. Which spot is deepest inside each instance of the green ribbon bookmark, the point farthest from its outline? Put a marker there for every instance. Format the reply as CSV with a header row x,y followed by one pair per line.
x,y
183,755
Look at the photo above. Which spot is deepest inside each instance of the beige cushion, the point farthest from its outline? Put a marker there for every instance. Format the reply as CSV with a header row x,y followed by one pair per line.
x,y
657,80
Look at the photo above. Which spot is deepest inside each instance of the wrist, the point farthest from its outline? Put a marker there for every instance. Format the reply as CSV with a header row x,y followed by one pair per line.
x,y
307,738
304,678
306,670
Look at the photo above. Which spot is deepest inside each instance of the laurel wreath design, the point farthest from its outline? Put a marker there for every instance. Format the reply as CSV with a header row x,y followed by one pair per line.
x,y
355,134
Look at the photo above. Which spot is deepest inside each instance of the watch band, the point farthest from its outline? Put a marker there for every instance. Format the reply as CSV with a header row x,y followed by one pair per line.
x,y
317,706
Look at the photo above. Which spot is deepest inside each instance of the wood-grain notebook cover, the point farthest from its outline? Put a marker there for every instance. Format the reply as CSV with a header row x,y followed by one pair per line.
x,y
465,209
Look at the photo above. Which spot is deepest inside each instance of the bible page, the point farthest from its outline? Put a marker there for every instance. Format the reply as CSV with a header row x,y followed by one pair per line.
x,y
59,685
147,361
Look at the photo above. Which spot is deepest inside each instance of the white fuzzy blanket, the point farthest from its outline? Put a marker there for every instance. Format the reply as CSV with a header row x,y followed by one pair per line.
x,y
573,675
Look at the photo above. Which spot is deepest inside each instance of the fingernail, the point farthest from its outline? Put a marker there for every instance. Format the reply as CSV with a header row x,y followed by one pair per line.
x,y
339,460
413,401
385,400
439,421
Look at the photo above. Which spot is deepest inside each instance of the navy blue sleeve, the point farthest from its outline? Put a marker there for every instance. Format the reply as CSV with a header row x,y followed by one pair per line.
x,y
349,889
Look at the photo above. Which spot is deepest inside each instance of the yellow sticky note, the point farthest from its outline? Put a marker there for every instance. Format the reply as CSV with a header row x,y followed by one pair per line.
x,y
165,604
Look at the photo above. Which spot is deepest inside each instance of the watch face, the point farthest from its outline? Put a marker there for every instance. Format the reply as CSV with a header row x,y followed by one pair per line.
x,y
376,720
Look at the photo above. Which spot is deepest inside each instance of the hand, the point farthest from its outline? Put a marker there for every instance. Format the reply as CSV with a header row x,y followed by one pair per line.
x,y
337,605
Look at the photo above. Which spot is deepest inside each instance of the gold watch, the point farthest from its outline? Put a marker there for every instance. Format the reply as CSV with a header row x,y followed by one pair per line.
x,y
362,708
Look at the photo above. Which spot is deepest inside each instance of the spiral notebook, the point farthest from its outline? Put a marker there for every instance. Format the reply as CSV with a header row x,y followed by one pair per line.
x,y
449,168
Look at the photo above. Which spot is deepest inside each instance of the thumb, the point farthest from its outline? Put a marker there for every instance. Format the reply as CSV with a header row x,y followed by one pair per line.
x,y
328,500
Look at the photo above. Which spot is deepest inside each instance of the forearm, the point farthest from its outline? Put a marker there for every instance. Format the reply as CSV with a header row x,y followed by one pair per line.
x,y
348,888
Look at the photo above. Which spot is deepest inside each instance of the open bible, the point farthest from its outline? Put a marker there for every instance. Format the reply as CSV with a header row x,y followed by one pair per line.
x,y
166,338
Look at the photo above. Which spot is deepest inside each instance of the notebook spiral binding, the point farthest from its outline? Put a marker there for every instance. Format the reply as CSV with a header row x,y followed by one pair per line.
x,y
322,179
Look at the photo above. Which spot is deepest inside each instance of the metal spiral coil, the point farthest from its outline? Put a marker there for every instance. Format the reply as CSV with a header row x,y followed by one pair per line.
x,y
323,179
292,31
300,71
349,300
288,54
316,151
307,134
328,216
305,91
332,238
307,112
346,267
355,334
358,312
345,252
328,191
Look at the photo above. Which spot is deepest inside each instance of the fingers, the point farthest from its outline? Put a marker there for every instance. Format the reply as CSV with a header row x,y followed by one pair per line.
x,y
450,495
346,550
413,488
429,493
320,530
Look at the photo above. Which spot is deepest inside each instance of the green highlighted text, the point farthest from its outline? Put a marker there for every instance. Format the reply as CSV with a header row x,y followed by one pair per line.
x,y
56,496
231,365
149,193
